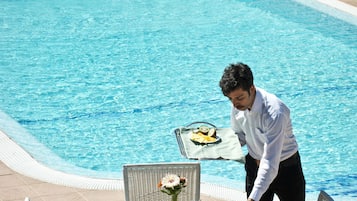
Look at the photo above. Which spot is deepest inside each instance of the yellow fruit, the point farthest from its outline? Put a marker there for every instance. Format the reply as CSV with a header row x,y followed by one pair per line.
x,y
201,138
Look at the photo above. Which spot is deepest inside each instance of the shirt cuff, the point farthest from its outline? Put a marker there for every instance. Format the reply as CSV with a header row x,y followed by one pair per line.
x,y
255,194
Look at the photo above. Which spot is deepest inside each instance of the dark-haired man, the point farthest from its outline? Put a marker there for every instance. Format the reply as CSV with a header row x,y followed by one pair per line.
x,y
262,122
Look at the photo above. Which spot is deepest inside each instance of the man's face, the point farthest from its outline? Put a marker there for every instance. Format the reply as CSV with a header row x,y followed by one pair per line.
x,y
241,99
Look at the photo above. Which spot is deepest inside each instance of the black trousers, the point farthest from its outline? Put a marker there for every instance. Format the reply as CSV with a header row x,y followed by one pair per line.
x,y
289,184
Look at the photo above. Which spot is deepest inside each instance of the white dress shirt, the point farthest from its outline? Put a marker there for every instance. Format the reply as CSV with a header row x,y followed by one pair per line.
x,y
267,131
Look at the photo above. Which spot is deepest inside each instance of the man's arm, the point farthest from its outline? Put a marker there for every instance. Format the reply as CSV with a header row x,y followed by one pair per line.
x,y
269,163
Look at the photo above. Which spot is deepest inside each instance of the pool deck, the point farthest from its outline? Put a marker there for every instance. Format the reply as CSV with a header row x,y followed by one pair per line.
x,y
18,181
15,187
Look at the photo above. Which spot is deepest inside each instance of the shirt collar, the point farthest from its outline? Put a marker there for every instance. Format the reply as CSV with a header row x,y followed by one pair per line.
x,y
258,100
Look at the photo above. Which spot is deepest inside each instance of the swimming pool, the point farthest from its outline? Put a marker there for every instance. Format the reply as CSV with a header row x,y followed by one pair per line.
x,y
103,83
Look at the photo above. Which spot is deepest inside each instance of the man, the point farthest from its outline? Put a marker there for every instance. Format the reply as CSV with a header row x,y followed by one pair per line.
x,y
262,122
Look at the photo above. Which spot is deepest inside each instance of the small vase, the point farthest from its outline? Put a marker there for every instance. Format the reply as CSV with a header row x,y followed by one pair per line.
x,y
174,197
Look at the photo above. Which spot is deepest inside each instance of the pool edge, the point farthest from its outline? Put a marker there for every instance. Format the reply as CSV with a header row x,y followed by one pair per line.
x,y
341,5
17,159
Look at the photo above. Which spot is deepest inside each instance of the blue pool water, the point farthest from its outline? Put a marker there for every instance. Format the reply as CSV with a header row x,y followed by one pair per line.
x,y
92,85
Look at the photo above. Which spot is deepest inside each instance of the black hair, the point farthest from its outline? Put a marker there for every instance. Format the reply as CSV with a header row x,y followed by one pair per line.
x,y
236,76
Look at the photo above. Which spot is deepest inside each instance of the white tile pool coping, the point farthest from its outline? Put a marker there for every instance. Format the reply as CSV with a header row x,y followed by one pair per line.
x,y
16,158
335,8
341,6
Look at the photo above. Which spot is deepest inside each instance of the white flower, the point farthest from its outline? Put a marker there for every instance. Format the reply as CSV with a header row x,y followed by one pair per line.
x,y
170,181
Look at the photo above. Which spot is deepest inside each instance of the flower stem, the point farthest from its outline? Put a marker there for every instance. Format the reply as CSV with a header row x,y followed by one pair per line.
x,y
174,197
